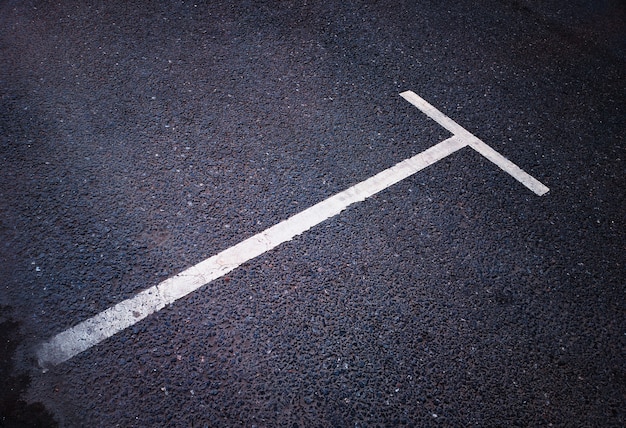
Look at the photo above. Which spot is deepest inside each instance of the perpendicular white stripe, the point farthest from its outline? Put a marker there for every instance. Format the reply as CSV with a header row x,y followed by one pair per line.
x,y
506,165
436,115
90,332
481,147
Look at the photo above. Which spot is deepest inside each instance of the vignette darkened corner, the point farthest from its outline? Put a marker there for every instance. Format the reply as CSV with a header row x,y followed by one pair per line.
x,y
15,412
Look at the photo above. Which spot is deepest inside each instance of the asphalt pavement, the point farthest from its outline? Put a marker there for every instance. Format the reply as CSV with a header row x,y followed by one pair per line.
x,y
138,139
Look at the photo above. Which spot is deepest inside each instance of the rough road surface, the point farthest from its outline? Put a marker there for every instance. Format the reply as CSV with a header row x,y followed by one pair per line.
x,y
138,139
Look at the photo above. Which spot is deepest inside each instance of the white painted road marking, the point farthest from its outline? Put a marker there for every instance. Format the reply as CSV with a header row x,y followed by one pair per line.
x,y
475,143
90,332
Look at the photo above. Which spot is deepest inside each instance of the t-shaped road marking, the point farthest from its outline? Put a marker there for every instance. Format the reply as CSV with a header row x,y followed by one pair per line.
x,y
475,143
92,331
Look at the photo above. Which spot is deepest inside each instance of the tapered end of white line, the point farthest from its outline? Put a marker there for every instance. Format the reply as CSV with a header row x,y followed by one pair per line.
x,y
53,353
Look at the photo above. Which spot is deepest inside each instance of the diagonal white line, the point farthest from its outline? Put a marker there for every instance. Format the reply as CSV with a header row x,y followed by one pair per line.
x,y
475,143
506,165
436,115
90,332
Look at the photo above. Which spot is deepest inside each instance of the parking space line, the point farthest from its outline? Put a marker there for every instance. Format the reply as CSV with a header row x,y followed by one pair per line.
x,y
481,147
92,331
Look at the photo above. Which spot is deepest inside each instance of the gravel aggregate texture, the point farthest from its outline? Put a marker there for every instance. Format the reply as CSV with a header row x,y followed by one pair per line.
x,y
138,139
